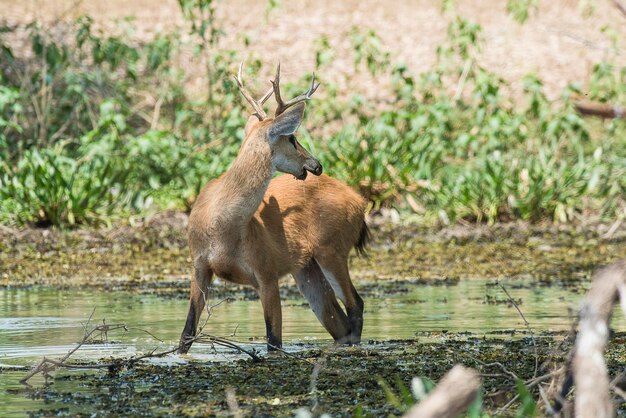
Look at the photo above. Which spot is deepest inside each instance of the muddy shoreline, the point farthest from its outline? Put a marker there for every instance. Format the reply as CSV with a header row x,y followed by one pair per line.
x,y
350,381
153,258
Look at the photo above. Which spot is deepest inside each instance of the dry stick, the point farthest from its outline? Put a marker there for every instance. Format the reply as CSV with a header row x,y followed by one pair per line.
x,y
215,340
618,379
530,330
452,396
589,367
546,401
498,364
319,365
516,397
613,228
46,364
212,339
620,392
566,385
156,113
288,354
531,383
620,6
461,85
88,321
147,332
603,110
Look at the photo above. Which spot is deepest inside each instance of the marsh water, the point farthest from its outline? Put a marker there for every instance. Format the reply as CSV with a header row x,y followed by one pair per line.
x,y
49,322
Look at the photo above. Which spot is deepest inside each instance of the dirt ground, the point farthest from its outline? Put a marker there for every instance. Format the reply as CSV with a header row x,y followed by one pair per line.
x,y
153,257
560,42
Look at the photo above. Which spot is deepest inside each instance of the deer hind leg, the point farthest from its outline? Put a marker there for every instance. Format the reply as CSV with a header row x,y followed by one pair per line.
x,y
323,302
335,270
200,281
270,300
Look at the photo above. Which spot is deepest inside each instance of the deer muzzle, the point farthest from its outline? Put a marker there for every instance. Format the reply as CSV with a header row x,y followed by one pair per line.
x,y
313,166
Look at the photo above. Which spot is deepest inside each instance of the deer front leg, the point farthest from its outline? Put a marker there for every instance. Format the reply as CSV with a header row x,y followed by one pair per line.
x,y
270,300
200,281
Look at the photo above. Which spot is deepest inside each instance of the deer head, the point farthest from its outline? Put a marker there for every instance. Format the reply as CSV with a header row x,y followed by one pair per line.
x,y
288,155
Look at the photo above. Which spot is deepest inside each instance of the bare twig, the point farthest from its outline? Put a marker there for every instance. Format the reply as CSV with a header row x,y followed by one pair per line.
x,y
147,332
613,228
620,6
46,365
317,368
287,353
501,366
546,401
212,339
619,392
603,110
527,324
156,113
461,85
530,383
85,332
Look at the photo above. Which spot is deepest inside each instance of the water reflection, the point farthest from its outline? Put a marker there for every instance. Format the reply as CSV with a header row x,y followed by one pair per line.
x,y
49,321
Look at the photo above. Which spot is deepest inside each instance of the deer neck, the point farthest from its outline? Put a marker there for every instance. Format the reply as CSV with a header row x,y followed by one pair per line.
x,y
244,184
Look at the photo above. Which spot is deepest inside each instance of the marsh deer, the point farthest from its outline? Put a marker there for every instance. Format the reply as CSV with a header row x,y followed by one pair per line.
x,y
249,228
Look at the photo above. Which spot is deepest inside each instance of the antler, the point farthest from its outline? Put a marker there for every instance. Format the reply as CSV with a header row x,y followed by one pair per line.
x,y
303,97
256,104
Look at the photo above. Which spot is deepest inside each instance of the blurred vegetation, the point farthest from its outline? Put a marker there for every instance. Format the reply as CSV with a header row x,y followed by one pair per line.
x,y
98,127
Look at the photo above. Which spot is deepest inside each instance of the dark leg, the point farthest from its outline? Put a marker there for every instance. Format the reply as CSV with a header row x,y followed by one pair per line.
x,y
270,300
200,282
335,270
323,302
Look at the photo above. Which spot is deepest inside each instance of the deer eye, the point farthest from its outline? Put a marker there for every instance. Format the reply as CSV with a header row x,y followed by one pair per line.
x,y
292,139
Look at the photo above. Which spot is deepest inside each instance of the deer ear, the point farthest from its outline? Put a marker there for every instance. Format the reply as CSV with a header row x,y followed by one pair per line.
x,y
287,123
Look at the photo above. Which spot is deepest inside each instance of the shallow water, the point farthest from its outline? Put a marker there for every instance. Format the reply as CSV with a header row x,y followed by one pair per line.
x,y
48,322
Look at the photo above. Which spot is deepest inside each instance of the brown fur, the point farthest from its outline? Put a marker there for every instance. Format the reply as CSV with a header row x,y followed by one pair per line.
x,y
248,228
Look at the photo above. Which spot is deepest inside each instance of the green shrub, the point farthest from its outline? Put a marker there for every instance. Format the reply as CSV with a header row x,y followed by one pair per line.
x,y
49,188
95,127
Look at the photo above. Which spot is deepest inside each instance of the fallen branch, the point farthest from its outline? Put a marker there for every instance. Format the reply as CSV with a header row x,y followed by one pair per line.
x,y
46,365
224,342
531,383
603,110
620,6
528,327
452,396
589,367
